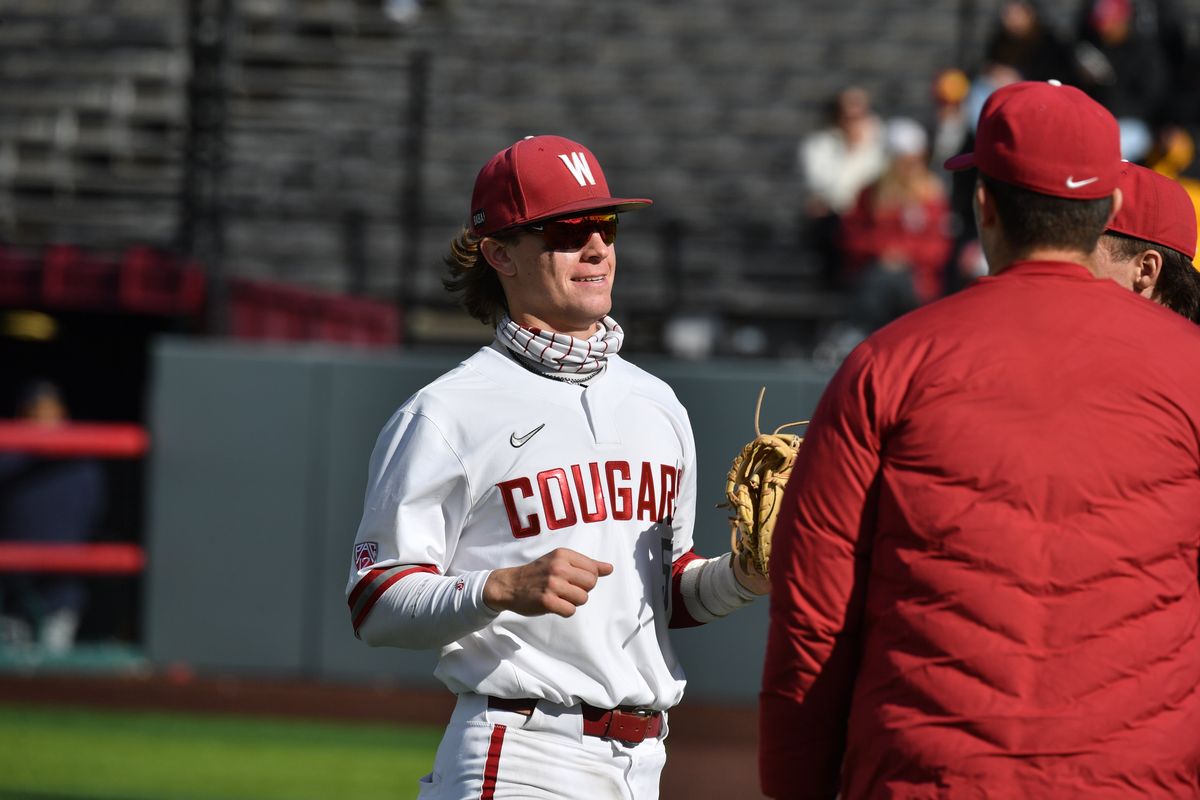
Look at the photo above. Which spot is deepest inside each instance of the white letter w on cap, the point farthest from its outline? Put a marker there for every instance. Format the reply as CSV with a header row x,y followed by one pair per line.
x,y
579,168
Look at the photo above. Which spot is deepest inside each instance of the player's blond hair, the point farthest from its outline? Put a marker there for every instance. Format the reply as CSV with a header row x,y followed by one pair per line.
x,y
474,278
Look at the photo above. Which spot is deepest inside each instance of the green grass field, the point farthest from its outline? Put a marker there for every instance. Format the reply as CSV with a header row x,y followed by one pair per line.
x,y
73,754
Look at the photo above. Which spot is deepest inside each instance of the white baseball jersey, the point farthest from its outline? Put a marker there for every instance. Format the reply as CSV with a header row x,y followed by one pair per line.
x,y
494,466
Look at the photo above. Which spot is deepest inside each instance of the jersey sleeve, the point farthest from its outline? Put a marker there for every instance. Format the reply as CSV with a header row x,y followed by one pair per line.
x,y
819,559
683,520
416,502
424,611
683,523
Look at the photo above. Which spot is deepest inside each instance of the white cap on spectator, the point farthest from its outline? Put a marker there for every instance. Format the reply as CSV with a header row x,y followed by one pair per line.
x,y
906,137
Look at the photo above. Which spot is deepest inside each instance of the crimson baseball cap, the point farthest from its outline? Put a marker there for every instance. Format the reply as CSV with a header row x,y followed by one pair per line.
x,y
1048,138
538,178
1156,209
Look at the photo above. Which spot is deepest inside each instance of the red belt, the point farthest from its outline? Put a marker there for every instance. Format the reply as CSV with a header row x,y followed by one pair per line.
x,y
625,725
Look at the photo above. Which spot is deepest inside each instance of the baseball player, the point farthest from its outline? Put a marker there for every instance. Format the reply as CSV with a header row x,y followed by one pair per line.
x,y
530,512
1150,244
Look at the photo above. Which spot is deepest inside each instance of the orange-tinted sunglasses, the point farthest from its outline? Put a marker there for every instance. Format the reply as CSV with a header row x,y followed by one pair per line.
x,y
574,233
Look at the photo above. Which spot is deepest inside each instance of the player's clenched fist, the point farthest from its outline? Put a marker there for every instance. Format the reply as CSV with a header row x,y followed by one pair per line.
x,y
556,583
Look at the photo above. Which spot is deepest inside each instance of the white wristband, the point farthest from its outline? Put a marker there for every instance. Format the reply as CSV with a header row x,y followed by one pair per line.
x,y
711,591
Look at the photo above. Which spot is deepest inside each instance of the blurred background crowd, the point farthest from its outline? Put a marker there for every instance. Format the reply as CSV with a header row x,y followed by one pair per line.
x,y
894,230
291,170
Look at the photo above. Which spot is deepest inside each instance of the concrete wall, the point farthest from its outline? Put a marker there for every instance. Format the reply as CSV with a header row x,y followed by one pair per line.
x,y
256,484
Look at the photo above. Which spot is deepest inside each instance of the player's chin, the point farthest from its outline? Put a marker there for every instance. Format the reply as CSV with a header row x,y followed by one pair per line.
x,y
592,304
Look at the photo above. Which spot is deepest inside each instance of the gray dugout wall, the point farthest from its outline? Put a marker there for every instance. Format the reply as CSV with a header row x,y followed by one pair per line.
x,y
256,482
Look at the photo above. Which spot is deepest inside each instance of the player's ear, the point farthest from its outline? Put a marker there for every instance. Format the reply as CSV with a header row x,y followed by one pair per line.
x,y
1147,268
496,253
985,207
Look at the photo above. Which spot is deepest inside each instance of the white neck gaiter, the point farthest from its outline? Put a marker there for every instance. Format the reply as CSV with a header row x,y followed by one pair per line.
x,y
557,354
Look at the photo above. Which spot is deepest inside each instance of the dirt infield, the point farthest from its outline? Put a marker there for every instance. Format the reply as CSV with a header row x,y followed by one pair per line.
x,y
712,748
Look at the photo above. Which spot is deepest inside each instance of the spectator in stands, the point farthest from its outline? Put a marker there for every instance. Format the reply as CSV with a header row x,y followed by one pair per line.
x,y
1121,65
835,163
896,238
48,500
992,76
954,133
1153,29
952,129
1024,42
1178,40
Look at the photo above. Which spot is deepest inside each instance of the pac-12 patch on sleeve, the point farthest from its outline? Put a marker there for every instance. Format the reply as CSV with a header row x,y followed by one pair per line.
x,y
365,554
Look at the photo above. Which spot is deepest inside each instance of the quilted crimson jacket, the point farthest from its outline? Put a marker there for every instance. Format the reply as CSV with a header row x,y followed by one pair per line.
x,y
985,569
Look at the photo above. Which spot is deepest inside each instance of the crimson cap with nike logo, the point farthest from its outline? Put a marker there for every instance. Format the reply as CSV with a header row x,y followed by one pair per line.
x,y
1048,138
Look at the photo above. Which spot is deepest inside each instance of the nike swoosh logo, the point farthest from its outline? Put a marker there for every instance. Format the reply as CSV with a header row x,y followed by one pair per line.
x,y
517,441
1074,184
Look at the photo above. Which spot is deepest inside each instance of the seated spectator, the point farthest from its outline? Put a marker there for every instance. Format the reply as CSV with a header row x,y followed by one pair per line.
x,y
1122,66
1024,42
835,163
1177,40
952,130
896,239
992,76
47,500
954,133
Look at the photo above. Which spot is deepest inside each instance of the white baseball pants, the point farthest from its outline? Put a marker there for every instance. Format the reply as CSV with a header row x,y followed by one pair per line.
x,y
490,754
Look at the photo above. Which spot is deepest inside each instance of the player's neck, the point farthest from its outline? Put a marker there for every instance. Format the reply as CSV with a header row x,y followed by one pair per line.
x,y
1042,254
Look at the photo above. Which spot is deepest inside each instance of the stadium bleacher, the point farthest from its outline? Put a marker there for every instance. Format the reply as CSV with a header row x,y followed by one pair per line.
x,y
697,105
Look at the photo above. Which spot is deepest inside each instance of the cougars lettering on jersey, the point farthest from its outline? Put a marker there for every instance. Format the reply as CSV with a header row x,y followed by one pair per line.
x,y
585,493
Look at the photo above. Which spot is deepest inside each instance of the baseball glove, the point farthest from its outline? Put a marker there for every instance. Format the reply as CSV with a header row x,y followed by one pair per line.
x,y
755,489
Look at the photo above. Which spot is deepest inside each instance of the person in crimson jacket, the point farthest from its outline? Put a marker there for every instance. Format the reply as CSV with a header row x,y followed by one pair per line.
x,y
984,574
